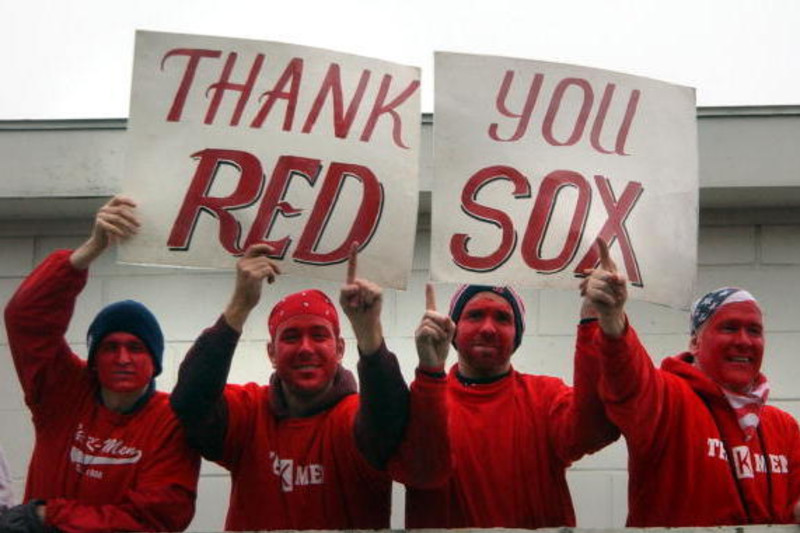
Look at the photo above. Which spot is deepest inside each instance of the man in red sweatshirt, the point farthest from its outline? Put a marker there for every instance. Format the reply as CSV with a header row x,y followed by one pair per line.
x,y
704,448
511,436
305,451
109,454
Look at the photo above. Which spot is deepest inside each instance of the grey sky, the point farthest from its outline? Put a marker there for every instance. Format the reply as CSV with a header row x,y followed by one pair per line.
x,y
72,58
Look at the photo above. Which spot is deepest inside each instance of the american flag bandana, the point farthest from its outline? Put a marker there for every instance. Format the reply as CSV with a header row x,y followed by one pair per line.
x,y
705,307
748,406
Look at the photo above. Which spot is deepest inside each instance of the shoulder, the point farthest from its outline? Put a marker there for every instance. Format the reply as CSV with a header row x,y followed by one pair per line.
x,y
542,384
249,394
781,418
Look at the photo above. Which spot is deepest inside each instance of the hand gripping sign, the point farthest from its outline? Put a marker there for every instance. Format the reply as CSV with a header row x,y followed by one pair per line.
x,y
235,142
534,161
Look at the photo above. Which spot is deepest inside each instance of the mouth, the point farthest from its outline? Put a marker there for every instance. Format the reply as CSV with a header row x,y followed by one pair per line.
x,y
740,360
306,367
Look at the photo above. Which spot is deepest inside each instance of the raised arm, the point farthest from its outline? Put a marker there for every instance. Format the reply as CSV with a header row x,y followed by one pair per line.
x,y
39,313
632,389
383,408
579,417
423,460
198,398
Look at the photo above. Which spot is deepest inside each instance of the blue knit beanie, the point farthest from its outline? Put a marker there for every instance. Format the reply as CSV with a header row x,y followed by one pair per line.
x,y
131,317
465,293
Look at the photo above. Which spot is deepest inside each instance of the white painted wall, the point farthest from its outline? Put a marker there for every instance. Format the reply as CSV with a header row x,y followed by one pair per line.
x,y
54,178
764,257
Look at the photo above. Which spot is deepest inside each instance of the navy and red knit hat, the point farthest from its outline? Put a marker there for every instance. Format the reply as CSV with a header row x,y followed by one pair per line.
x,y
465,293
127,316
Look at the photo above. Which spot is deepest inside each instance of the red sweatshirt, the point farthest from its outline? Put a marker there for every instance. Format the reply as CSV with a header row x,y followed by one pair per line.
x,y
511,442
324,471
98,470
298,473
689,463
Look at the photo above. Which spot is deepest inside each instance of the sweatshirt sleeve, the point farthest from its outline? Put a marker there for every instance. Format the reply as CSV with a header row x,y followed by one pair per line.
x,y
161,499
383,408
36,319
198,399
424,460
632,388
580,420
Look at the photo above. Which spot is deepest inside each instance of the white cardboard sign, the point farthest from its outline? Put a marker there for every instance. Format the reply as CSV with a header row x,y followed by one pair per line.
x,y
233,142
535,160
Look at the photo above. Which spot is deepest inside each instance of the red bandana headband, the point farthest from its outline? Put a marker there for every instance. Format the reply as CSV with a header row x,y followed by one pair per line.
x,y
309,302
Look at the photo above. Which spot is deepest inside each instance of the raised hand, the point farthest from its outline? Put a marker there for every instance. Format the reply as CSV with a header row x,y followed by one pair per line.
x,y
606,289
434,334
115,222
252,269
361,301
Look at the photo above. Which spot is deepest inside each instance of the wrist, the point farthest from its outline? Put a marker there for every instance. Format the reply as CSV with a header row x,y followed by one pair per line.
x,y
430,367
236,316
613,325
369,340
84,255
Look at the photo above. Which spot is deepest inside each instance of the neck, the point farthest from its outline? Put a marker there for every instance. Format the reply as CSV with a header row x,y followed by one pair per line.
x,y
121,402
467,371
303,404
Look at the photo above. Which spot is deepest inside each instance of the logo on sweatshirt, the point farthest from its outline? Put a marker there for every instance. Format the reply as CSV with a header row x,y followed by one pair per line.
x,y
293,475
746,463
88,451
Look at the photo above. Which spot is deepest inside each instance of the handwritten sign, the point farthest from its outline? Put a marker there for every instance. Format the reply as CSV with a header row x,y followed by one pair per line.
x,y
234,142
536,160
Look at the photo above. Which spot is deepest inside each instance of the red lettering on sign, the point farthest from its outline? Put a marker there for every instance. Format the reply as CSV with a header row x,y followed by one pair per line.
x,y
194,55
249,187
539,221
525,116
197,200
600,120
555,106
365,220
614,228
381,107
460,241
292,75
224,84
555,112
333,84
274,204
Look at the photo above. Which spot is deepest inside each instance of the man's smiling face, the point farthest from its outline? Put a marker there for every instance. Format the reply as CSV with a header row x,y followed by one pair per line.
x,y
306,353
730,346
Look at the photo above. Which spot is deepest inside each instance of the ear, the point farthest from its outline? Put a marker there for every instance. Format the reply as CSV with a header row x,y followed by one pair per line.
x,y
339,349
271,353
694,345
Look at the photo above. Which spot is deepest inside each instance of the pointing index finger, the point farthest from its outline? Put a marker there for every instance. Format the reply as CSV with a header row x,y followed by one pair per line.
x,y
430,297
606,263
352,263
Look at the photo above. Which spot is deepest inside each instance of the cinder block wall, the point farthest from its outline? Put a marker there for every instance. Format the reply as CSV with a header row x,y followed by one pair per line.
x,y
761,255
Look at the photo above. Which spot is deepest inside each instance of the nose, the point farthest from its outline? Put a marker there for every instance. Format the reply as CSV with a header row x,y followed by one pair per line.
x,y
124,356
742,338
305,345
488,327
